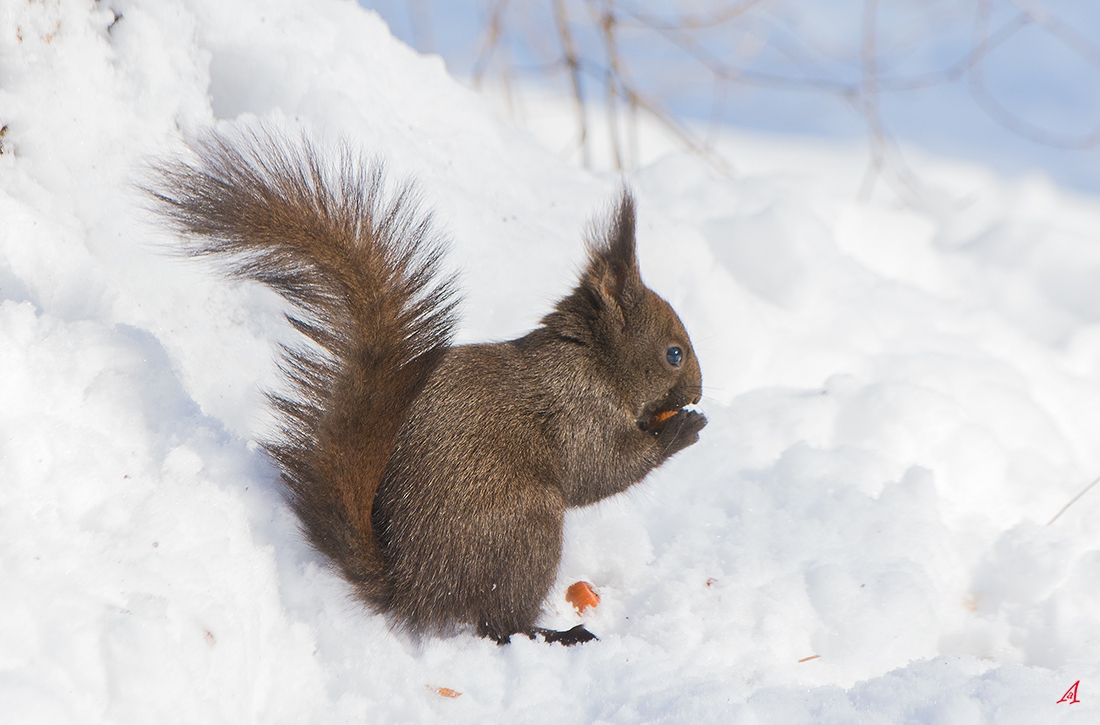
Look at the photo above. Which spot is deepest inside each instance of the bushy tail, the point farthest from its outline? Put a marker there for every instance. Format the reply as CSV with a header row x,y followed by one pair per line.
x,y
362,275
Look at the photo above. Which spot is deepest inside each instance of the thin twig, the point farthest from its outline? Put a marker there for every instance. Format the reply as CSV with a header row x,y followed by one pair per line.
x,y
422,26
1060,29
886,158
654,109
1042,17
607,33
492,39
607,24
572,61
693,22
957,69
705,58
1073,501
869,96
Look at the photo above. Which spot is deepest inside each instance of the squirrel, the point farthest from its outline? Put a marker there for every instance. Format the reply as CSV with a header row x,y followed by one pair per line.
x,y
434,476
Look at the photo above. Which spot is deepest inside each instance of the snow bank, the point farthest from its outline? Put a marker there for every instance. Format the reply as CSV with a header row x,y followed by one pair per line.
x,y
899,400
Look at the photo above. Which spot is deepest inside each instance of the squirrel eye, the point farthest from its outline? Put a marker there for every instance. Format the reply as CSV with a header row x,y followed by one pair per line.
x,y
675,356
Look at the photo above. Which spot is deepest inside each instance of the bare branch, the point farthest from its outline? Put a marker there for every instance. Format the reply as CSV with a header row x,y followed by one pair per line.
x,y
614,79
869,97
422,26
1073,501
697,22
572,61
1000,114
492,39
1060,29
599,47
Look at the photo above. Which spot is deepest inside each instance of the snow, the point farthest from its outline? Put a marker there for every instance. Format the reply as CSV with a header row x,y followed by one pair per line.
x,y
900,399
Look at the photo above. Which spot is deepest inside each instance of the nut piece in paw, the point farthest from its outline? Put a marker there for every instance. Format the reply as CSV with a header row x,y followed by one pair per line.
x,y
660,418
680,432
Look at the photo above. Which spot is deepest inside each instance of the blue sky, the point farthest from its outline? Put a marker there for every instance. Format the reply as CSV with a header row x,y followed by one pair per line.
x,y
1043,77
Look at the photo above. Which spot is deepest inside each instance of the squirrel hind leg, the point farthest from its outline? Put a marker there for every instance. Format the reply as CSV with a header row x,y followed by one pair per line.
x,y
568,638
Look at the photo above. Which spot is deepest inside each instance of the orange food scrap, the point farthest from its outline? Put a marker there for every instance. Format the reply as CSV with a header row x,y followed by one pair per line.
x,y
582,596
447,692
661,418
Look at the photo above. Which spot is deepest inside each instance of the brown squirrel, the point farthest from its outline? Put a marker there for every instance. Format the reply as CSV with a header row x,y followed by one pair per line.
x,y
436,477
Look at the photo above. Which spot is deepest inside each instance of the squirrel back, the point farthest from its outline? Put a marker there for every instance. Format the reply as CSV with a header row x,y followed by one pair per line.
x,y
435,477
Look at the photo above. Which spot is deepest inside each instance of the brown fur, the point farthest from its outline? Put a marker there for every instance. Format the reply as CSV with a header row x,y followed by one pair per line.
x,y
435,477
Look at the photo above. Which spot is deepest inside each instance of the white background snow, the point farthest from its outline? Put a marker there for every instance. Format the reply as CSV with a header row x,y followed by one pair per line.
x,y
899,402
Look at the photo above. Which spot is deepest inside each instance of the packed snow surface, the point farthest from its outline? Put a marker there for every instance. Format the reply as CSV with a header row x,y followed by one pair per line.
x,y
900,399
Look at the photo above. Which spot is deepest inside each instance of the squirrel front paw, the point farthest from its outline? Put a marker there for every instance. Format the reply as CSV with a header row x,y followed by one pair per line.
x,y
679,431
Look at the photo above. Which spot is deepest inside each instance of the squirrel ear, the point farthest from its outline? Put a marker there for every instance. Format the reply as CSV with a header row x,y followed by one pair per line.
x,y
613,263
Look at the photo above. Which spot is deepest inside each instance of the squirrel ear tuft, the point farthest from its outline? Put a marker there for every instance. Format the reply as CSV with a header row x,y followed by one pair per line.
x,y
613,263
